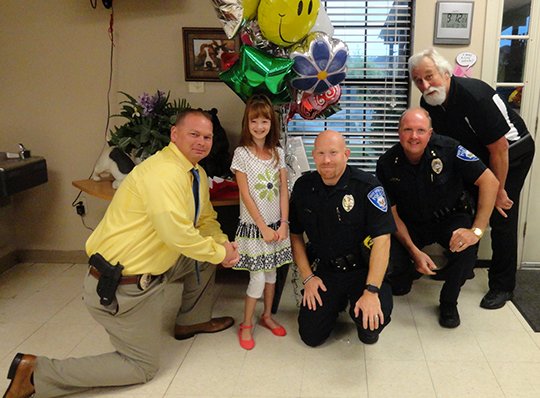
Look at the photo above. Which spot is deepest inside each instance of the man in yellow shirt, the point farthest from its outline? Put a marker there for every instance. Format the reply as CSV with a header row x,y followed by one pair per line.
x,y
160,227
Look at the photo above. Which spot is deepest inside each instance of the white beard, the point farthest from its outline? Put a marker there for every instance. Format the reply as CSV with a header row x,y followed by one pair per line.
x,y
437,98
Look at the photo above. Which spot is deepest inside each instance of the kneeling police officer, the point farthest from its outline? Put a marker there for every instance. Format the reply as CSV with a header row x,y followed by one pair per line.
x,y
338,207
425,176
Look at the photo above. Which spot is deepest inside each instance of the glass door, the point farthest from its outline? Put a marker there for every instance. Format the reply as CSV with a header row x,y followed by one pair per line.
x,y
511,39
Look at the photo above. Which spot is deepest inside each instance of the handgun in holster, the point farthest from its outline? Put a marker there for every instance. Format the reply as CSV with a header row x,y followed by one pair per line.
x,y
109,279
467,203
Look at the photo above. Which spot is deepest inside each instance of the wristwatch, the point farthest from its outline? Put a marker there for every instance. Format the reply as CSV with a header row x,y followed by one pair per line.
x,y
372,288
478,232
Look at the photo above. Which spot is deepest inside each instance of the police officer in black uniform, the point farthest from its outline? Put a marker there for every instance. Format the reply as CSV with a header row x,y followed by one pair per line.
x,y
340,207
470,111
425,177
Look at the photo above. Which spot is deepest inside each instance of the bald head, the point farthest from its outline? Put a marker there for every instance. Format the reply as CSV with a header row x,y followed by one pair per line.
x,y
330,155
330,136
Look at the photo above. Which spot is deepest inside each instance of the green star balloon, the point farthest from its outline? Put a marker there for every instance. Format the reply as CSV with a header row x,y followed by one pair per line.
x,y
257,72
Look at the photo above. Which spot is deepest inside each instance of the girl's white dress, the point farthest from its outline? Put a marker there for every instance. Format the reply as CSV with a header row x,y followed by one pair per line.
x,y
264,187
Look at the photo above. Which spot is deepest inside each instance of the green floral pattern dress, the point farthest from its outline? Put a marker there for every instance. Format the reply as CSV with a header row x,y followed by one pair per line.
x,y
264,187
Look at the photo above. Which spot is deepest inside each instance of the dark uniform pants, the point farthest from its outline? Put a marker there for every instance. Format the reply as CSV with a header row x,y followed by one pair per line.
x,y
504,231
342,287
401,270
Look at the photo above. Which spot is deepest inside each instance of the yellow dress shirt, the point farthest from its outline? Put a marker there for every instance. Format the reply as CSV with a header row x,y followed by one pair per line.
x,y
149,222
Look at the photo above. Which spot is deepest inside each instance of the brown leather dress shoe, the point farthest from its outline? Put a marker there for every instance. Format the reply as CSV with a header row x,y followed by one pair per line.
x,y
20,373
212,326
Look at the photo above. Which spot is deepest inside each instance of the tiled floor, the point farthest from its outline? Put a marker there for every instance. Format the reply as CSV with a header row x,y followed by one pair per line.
x,y
492,354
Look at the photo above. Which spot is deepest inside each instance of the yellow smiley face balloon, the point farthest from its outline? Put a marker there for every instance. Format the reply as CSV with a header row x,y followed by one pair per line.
x,y
285,22
250,8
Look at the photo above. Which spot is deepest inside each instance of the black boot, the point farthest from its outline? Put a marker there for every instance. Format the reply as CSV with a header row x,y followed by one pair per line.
x,y
449,316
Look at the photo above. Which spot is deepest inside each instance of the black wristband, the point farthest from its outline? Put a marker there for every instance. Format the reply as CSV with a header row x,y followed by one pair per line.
x,y
371,288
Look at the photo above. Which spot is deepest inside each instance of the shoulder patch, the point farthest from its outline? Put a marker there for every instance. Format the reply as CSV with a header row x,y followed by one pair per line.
x,y
465,154
377,197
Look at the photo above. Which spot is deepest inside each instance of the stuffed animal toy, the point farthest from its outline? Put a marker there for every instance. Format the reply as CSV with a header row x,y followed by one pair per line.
x,y
114,162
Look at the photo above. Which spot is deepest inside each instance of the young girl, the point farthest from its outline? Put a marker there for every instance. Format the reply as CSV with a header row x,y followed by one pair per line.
x,y
263,231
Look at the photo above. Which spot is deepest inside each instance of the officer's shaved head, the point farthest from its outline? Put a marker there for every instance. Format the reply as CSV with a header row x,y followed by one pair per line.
x,y
330,135
330,154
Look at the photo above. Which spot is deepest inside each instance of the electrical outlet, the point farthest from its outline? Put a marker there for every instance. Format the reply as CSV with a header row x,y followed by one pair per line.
x,y
80,207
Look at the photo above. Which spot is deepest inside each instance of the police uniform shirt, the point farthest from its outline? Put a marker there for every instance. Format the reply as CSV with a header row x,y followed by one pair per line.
x,y
338,218
436,183
476,116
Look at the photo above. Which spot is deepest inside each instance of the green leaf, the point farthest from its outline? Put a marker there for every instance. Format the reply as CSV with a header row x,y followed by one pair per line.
x,y
142,135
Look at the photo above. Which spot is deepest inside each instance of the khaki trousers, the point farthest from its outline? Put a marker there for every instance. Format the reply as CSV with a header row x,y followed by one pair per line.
x,y
134,323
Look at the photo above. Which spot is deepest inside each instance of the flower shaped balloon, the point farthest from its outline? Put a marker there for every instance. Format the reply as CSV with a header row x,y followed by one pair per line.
x,y
319,62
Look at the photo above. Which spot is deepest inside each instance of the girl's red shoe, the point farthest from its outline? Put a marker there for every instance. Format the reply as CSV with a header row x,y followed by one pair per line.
x,y
245,344
277,331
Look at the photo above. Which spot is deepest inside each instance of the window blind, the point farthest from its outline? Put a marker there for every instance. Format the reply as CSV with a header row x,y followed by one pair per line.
x,y
376,89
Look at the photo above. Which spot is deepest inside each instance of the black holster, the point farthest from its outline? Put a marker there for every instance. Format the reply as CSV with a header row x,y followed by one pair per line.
x,y
465,204
519,148
109,279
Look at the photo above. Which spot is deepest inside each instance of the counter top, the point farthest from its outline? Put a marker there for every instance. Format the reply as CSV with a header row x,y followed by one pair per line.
x,y
103,189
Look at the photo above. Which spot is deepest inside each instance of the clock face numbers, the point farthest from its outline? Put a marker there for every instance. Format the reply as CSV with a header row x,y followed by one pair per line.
x,y
454,20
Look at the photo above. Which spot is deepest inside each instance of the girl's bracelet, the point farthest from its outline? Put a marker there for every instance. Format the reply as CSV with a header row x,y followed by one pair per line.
x,y
284,221
308,279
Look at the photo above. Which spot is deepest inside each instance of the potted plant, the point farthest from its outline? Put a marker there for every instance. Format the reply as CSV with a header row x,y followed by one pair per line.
x,y
149,121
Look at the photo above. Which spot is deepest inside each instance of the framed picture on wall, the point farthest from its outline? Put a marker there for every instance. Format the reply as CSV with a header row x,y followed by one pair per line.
x,y
203,48
453,22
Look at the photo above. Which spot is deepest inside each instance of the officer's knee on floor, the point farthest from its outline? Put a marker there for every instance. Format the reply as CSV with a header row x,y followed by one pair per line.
x,y
311,340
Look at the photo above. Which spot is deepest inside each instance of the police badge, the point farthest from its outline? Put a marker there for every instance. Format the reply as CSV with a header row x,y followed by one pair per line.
x,y
437,165
348,203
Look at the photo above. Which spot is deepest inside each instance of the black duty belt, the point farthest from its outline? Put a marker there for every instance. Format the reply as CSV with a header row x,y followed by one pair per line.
x,y
464,205
348,263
